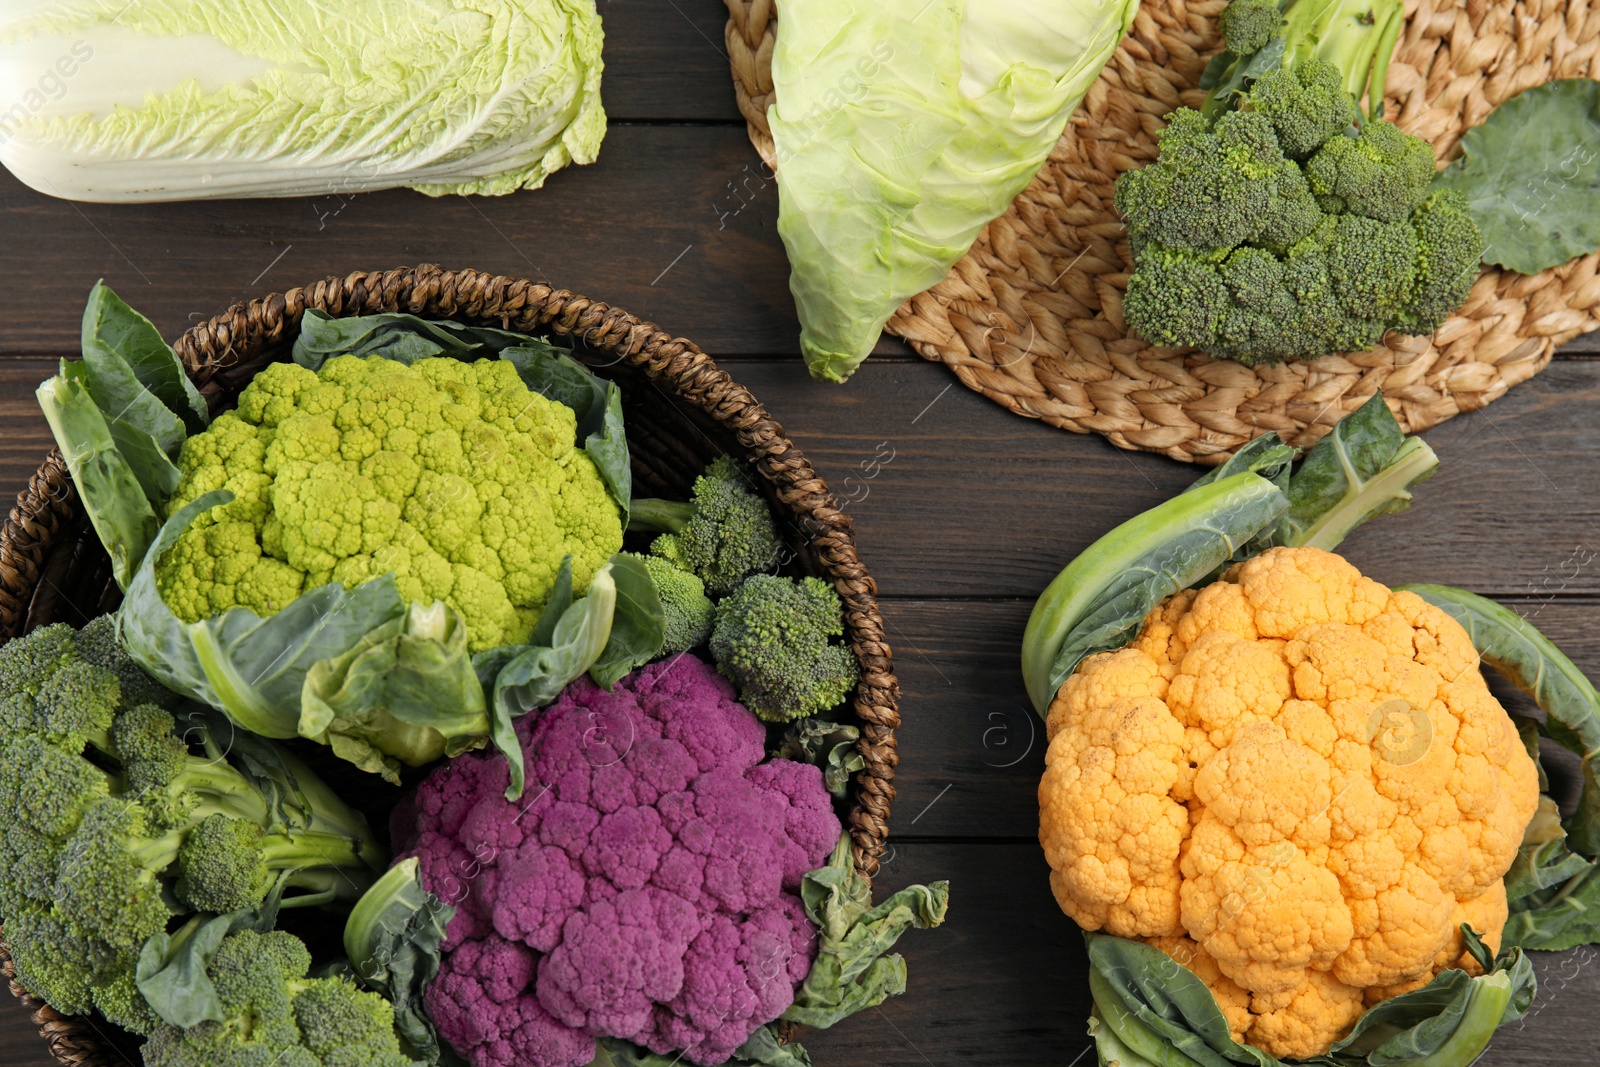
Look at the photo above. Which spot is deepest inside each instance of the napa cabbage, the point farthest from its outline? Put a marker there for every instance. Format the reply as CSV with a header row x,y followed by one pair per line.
x,y
135,100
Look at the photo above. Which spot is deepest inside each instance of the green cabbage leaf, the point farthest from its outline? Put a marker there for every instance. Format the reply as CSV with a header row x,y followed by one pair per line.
x,y
142,100
902,128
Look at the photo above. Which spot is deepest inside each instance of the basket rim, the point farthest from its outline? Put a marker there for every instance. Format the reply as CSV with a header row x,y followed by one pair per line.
x,y
210,349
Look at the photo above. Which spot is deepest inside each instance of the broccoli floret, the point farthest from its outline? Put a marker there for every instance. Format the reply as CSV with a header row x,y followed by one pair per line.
x,y
1211,189
1249,24
1449,247
73,707
30,662
97,644
1176,298
108,882
1382,173
274,1014
120,1001
684,603
1306,105
723,534
1372,266
771,640
104,844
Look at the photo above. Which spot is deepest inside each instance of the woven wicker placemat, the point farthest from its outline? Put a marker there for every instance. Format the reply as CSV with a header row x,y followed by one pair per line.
x,y
1032,316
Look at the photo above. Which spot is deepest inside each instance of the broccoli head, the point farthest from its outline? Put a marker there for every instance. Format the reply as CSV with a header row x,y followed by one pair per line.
x,y
724,533
97,644
771,640
1249,24
1279,221
687,609
111,825
1449,246
273,1014
1340,253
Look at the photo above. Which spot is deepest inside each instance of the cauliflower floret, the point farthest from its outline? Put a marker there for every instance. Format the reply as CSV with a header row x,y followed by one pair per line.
x,y
1296,783
454,477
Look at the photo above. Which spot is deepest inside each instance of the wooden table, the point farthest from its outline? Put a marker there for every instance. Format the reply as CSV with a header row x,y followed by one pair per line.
x,y
963,511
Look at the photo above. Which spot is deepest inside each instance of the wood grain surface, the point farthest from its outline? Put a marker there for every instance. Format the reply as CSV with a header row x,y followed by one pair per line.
x,y
962,511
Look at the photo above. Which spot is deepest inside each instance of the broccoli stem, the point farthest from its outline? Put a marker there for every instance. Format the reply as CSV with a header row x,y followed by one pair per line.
x,y
659,516
1357,36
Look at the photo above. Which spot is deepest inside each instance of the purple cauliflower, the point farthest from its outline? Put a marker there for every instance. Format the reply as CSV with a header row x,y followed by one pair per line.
x,y
643,887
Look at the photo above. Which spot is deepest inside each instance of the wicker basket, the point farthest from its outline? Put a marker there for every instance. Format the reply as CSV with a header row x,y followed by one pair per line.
x,y
681,411
1032,316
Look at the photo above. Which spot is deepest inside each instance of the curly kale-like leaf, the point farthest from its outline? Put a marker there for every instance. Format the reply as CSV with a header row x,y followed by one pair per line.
x,y
392,940
852,971
1149,1009
1531,176
832,746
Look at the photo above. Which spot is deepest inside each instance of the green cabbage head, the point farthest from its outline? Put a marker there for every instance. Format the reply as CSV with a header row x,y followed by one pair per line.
x,y
135,100
902,127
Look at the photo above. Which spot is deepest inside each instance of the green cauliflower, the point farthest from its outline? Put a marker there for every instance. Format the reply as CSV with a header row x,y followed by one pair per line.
x,y
453,476
273,1014
771,639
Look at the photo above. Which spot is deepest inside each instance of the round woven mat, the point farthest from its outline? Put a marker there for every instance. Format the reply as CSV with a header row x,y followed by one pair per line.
x,y
680,412
1032,316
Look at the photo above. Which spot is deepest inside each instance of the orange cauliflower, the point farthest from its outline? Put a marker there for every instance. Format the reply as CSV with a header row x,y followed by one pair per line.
x,y
1295,782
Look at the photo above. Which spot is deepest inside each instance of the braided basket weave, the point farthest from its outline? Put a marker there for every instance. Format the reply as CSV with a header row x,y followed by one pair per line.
x,y
680,412
1032,317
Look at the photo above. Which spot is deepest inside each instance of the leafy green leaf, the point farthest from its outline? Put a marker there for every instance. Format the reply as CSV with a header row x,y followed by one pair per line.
x,y
852,971
1095,604
829,745
555,606
113,330
638,626
406,693
1365,467
397,336
122,516
1531,176
392,939
252,668
1162,1013
520,678
171,971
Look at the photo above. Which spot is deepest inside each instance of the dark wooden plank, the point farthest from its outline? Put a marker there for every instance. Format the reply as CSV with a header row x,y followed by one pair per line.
x,y
20,1043
1004,982
673,223
665,59
952,498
